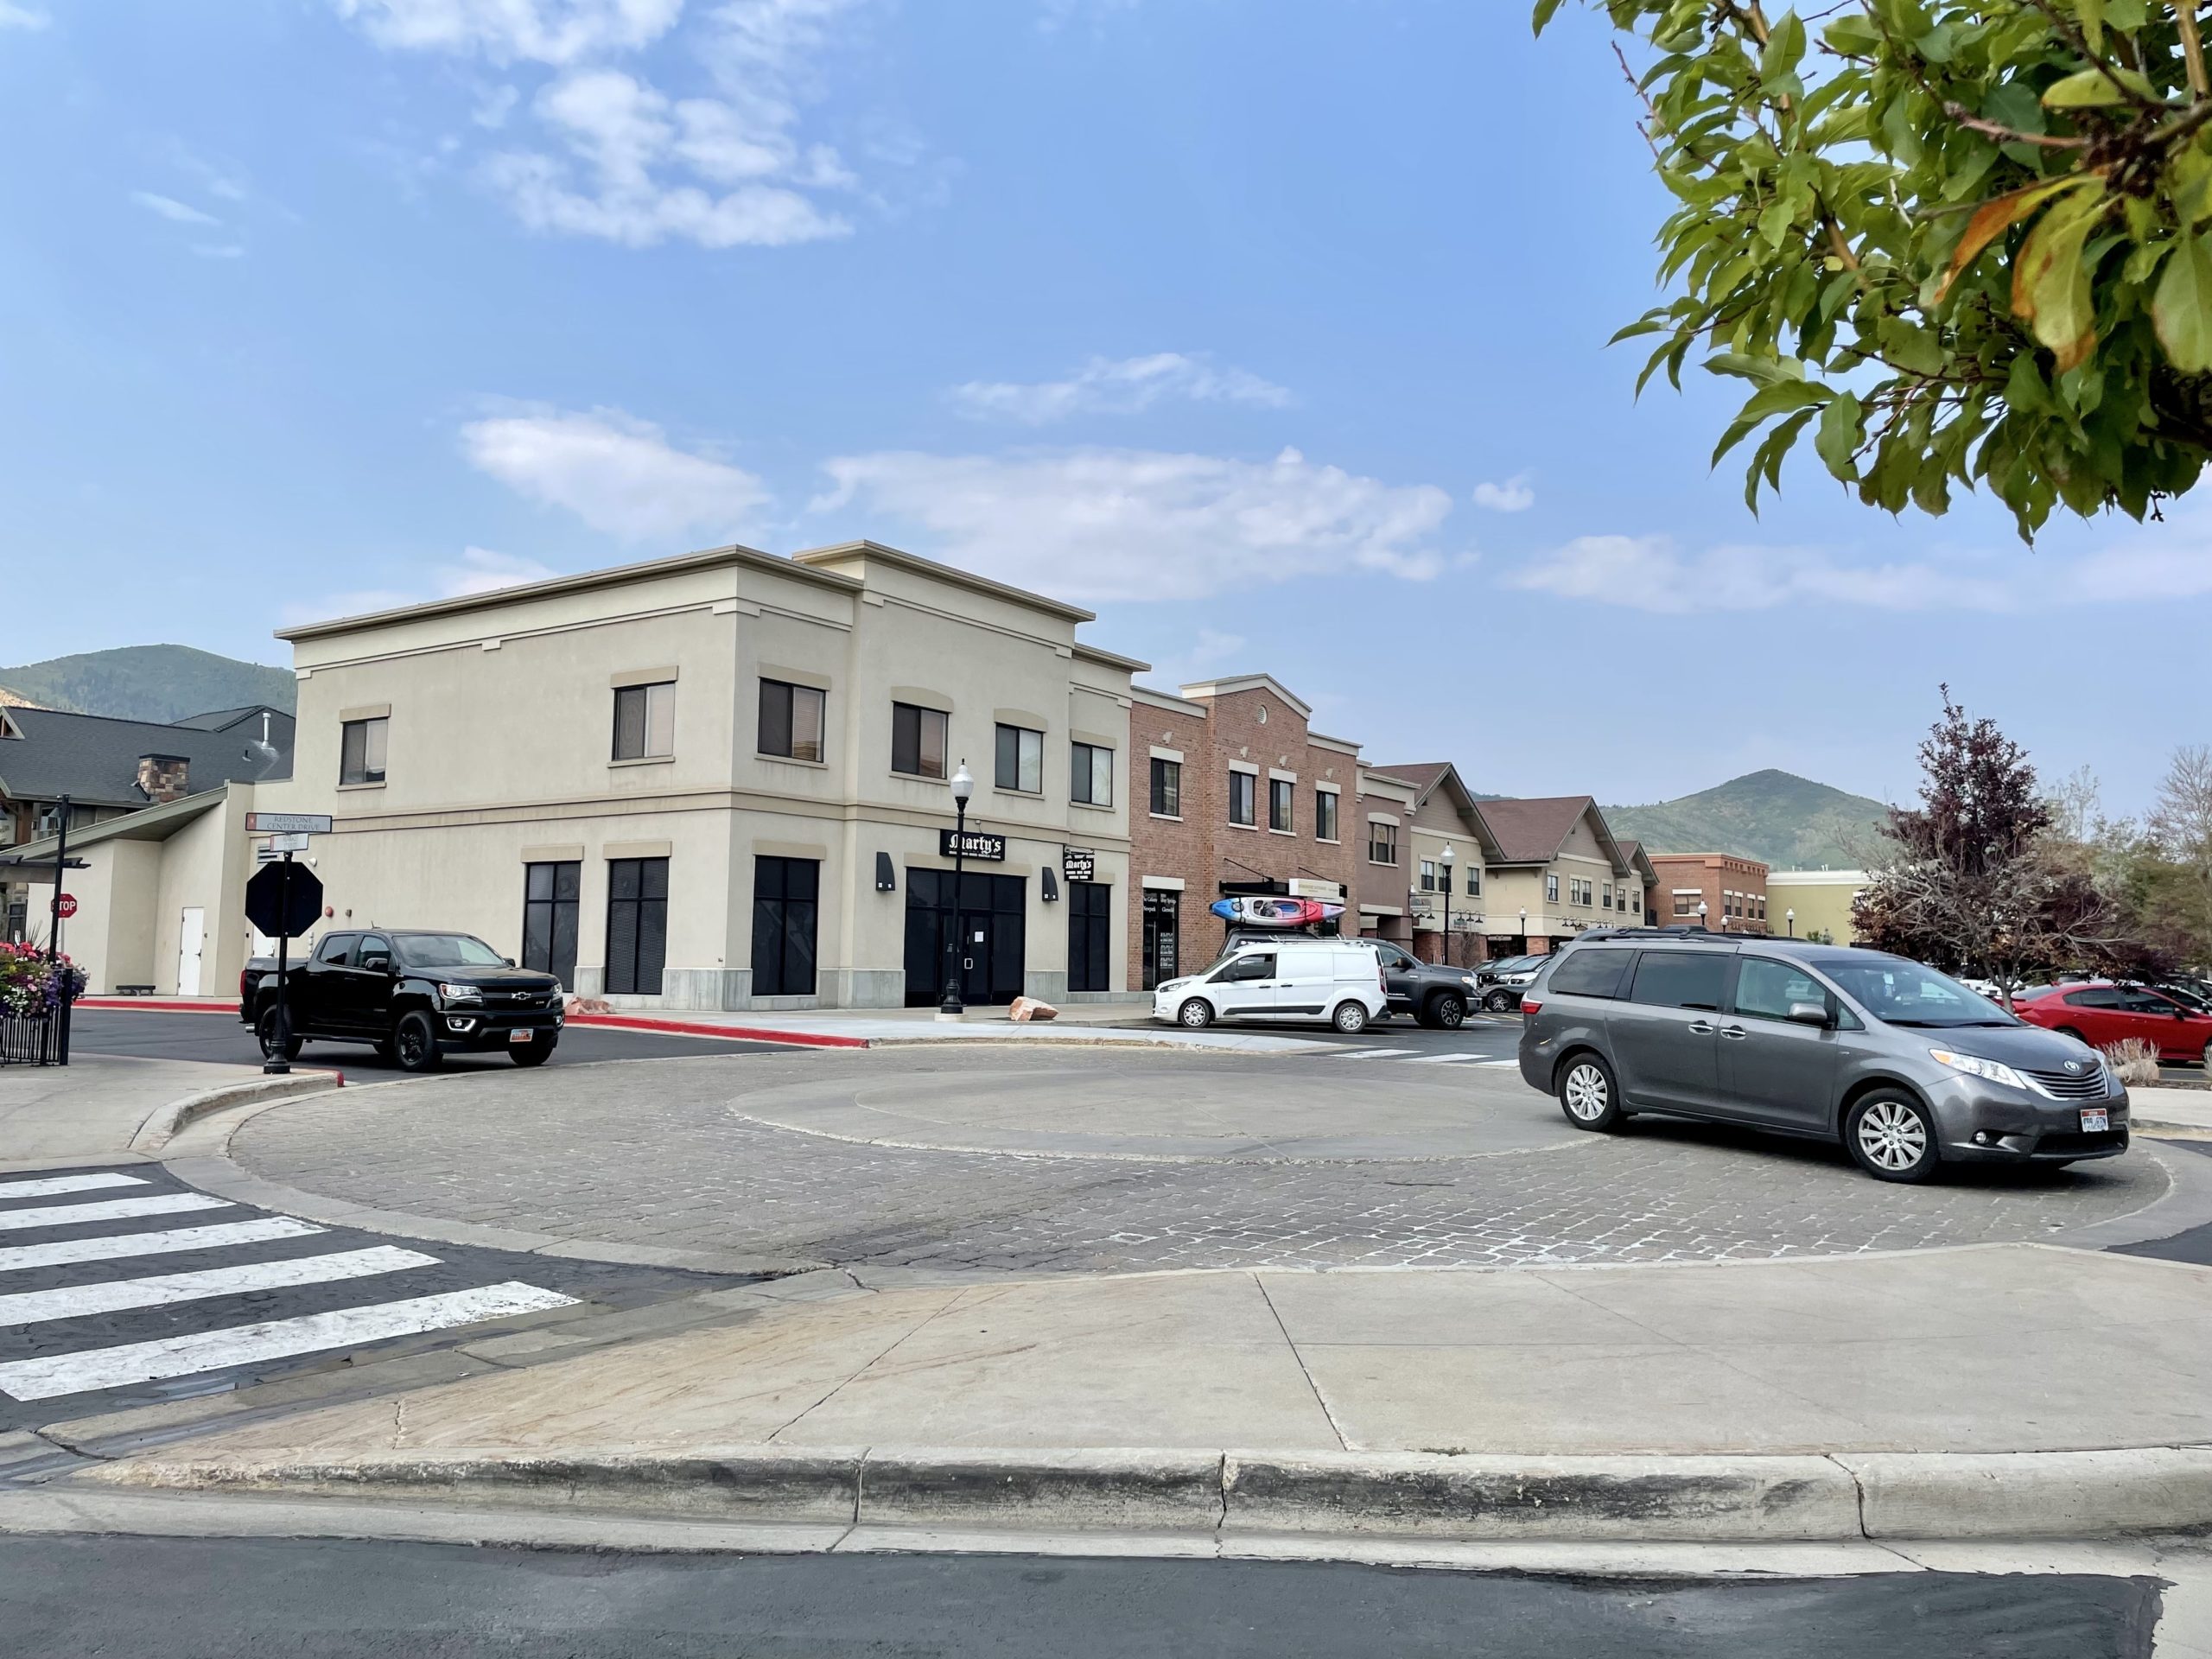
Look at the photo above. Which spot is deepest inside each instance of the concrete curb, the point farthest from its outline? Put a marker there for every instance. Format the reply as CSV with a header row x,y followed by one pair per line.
x,y
158,1130
1600,1499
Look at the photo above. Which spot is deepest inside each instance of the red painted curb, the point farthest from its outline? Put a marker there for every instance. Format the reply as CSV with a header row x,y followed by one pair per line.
x,y
735,1033
155,1005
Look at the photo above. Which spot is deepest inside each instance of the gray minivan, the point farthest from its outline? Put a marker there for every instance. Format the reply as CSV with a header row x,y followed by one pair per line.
x,y
1907,1067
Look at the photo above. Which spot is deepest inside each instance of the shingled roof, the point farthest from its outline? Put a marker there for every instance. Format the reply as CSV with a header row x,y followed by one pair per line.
x,y
1533,829
94,759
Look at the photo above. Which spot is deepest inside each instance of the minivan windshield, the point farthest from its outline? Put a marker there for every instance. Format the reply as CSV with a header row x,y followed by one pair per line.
x,y
447,951
1901,992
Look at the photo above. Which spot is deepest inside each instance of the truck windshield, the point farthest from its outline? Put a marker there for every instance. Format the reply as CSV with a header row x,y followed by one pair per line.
x,y
447,951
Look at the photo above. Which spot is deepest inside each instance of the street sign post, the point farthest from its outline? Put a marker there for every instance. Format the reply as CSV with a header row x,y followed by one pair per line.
x,y
283,901
288,824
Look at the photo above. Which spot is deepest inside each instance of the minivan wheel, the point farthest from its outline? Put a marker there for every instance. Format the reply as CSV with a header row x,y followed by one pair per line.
x,y
1893,1137
1448,1011
1197,1014
1351,1018
414,1043
1588,1096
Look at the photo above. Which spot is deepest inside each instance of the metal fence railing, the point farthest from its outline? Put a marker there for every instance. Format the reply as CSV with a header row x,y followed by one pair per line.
x,y
43,1041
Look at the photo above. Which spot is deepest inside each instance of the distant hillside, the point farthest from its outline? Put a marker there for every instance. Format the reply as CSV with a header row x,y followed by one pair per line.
x,y
1785,821
162,683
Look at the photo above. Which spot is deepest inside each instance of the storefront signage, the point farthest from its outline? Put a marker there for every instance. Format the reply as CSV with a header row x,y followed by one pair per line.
x,y
1302,887
978,844
1078,864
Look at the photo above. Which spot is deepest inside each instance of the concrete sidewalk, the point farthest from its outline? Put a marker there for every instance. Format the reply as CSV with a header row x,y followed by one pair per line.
x,y
108,1106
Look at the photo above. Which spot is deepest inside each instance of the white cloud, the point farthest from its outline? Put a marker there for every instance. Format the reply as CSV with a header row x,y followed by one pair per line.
x,y
1512,496
1130,524
617,474
1209,653
542,31
19,17
1650,573
170,208
1118,386
629,147
493,109
478,570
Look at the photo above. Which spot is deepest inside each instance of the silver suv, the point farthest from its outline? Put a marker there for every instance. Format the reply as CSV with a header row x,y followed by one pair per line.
x,y
1908,1068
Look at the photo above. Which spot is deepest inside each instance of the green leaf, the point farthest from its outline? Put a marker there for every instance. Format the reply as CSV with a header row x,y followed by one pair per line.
x,y
1765,370
1544,10
2050,281
1764,405
1785,50
2182,312
1842,425
1999,214
2095,89
2091,14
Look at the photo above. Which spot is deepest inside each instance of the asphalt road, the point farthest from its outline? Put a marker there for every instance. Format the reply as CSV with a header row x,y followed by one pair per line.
x,y
120,1598
220,1039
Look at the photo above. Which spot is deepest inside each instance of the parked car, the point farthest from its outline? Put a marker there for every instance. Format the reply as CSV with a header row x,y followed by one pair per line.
x,y
1907,1067
1500,983
2103,1013
1436,995
409,994
1337,980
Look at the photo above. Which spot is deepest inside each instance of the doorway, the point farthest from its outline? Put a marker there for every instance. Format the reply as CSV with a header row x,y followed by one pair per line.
x,y
191,944
991,927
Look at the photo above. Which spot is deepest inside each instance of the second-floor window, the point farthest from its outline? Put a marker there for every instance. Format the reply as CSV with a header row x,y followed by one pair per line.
x,y
1606,901
1090,774
1324,815
1382,844
1021,759
361,751
917,740
790,721
1474,881
1242,797
1429,883
644,722
1278,794
1551,889
1166,788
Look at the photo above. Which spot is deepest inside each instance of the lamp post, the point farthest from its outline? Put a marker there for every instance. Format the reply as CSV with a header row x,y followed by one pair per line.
x,y
1444,858
963,787
1700,916
1524,930
1790,916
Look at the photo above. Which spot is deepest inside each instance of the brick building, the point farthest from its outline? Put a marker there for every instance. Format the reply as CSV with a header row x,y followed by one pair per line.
x,y
1731,889
1233,794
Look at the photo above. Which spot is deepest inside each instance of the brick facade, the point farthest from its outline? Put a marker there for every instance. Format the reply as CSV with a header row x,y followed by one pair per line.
x,y
1253,725
1732,889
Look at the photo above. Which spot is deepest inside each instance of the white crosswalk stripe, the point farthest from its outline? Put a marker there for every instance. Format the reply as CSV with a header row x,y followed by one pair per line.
x,y
1372,1054
120,1246
70,1215
52,1186
207,1351
1444,1060
116,1295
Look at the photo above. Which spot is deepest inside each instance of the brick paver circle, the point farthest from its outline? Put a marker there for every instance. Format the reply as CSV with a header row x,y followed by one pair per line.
x,y
681,1153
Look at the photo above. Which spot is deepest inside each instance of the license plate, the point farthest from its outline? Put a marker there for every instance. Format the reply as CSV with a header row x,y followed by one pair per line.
x,y
2096,1121
524,1036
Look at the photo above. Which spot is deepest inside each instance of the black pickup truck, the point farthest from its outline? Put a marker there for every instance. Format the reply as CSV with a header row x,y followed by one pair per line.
x,y
410,995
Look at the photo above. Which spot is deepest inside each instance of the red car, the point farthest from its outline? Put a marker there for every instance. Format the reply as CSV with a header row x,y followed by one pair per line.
x,y
2100,1015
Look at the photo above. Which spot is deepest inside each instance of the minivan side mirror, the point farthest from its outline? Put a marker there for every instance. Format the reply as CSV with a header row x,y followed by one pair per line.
x,y
1809,1013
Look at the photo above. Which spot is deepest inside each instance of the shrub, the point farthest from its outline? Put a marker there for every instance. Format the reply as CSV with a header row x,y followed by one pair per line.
x,y
33,985
2135,1060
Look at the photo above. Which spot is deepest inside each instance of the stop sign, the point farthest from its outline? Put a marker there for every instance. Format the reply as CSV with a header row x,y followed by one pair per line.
x,y
66,907
283,900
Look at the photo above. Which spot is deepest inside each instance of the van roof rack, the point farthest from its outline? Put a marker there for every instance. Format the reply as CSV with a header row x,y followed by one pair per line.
x,y
1686,935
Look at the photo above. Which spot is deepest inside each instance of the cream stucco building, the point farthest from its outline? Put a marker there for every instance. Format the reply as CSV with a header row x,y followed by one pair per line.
x,y
718,781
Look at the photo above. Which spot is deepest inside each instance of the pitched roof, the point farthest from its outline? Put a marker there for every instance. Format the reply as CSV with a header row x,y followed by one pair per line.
x,y
94,759
223,719
1532,830
1425,778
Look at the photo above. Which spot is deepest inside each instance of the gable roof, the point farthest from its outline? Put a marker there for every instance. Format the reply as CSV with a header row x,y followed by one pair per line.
x,y
1532,830
94,759
1223,685
224,720
1633,852
1427,777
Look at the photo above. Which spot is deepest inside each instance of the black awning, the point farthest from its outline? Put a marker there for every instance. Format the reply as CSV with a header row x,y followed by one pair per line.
x,y
1255,889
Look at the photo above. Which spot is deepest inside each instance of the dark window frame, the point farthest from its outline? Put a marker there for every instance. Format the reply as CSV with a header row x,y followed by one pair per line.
x,y
786,924
640,697
1167,794
1382,839
1247,796
1031,751
1283,795
777,733
1327,819
552,918
1090,936
353,768
647,914
911,723
1083,773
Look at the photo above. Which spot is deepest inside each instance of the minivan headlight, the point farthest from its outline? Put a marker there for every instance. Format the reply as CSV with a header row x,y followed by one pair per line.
x,y
1974,1066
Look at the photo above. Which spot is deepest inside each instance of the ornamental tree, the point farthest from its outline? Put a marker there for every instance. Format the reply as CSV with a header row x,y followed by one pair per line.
x,y
1949,242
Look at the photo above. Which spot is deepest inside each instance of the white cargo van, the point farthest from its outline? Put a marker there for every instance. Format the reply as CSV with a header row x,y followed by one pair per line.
x,y
1338,981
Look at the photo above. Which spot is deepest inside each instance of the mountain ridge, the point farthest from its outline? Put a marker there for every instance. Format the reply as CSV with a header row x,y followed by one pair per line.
x,y
163,683
1783,820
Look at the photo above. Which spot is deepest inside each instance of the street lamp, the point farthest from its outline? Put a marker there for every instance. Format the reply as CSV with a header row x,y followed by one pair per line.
x,y
1524,927
1445,859
1792,916
1700,916
963,787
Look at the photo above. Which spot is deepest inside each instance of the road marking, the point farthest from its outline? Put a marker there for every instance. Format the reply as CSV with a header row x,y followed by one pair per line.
x,y
146,1362
69,1215
120,1245
1444,1060
1500,1062
52,1184
1372,1054
31,1307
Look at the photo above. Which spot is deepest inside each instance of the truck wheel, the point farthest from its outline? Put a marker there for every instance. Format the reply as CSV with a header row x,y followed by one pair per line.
x,y
536,1052
267,1032
1447,1011
414,1043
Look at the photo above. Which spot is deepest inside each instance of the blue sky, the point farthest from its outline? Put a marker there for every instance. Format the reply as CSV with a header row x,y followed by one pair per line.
x,y
1271,329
